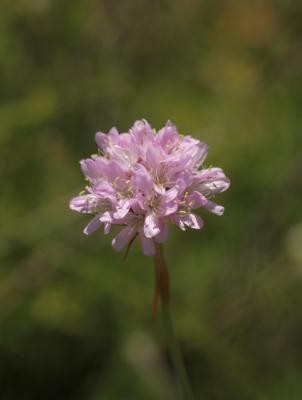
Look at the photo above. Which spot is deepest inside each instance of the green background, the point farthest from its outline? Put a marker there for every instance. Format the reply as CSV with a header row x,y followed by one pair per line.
x,y
75,319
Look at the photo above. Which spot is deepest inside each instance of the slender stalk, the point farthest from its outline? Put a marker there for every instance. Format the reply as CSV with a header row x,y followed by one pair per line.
x,y
162,293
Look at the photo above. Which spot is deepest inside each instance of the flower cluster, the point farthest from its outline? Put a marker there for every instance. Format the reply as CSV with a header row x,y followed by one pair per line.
x,y
142,180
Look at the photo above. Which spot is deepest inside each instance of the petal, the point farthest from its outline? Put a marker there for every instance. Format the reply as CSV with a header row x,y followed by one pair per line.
x,y
167,136
169,203
84,204
152,158
141,179
141,131
151,226
113,133
193,221
122,208
216,186
201,153
160,189
168,209
137,204
197,199
214,207
101,165
178,221
211,173
124,237
115,170
104,141
106,217
93,225
90,169
105,191
163,234
107,227
212,180
171,194
124,140
101,140
147,245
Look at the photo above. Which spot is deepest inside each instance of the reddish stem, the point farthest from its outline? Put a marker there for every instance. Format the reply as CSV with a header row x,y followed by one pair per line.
x,y
162,286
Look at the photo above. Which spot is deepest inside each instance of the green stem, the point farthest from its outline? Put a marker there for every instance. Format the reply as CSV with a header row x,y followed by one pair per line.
x,y
162,292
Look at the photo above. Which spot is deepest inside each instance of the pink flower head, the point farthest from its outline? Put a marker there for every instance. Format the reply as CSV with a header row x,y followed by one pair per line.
x,y
143,180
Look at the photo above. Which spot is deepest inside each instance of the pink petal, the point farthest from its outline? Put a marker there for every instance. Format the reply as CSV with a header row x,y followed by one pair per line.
x,y
201,153
147,245
137,204
93,225
141,179
90,168
160,189
171,194
168,209
113,133
213,180
178,221
163,234
105,191
123,237
107,227
122,208
151,226
106,217
197,199
167,135
193,221
152,158
82,204
101,140
169,204
216,186
115,170
101,164
141,130
214,207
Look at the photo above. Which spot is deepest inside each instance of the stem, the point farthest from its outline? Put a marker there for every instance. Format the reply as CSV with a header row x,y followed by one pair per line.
x,y
162,289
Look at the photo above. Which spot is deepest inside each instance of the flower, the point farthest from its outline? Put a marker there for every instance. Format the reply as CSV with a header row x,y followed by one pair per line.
x,y
143,180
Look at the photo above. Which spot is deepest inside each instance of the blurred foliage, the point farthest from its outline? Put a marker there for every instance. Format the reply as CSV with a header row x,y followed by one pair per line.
x,y
75,317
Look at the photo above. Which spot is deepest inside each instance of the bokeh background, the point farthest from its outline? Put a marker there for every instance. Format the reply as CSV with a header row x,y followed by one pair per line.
x,y
75,319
